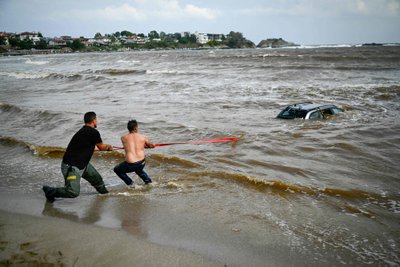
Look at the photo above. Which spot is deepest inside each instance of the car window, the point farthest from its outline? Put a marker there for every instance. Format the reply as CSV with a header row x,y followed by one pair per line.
x,y
336,110
287,113
315,115
327,112
291,113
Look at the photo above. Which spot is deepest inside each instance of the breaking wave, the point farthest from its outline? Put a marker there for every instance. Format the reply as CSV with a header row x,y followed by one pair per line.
x,y
87,74
24,75
120,71
284,189
33,116
42,151
41,76
277,187
191,173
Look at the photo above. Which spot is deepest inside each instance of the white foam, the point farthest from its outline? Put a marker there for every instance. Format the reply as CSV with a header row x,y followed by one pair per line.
x,y
128,61
163,72
29,61
24,75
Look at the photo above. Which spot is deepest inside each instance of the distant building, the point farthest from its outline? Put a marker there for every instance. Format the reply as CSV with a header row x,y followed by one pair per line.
x,y
62,41
204,38
57,43
85,41
102,41
34,36
201,38
66,38
185,34
215,37
134,39
4,37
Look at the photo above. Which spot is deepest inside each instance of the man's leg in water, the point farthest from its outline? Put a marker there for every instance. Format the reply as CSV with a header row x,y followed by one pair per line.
x,y
94,178
142,174
121,170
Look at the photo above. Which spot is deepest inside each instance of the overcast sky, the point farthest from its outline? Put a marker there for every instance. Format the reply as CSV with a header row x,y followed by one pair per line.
x,y
299,21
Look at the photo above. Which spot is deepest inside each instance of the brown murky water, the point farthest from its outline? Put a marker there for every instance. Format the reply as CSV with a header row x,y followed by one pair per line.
x,y
289,191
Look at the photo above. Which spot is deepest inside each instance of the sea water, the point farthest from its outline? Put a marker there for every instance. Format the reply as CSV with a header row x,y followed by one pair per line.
x,y
289,192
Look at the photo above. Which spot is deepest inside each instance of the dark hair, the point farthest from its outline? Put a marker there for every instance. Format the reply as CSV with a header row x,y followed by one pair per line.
x,y
89,117
132,125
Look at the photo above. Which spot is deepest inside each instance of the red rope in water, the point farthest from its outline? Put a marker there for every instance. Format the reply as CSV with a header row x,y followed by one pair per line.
x,y
218,140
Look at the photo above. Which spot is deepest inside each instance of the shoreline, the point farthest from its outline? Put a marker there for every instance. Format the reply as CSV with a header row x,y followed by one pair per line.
x,y
34,241
130,225
34,233
52,51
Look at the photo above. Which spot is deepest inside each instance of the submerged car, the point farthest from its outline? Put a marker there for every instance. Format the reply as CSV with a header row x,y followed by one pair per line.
x,y
308,111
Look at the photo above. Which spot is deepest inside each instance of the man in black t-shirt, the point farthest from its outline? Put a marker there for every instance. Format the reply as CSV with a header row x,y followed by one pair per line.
x,y
76,159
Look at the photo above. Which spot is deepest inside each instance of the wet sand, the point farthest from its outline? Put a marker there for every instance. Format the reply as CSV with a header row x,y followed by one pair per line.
x,y
29,240
142,226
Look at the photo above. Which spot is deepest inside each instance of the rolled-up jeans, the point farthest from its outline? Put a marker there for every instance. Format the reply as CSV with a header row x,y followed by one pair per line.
x,y
72,177
124,167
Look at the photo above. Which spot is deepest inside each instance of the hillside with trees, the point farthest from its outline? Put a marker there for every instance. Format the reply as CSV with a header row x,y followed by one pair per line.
x,y
120,41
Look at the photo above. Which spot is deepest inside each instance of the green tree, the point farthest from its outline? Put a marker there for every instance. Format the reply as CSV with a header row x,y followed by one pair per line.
x,y
177,35
126,33
14,42
188,39
213,43
98,35
26,44
153,35
162,35
76,45
236,40
184,40
192,39
132,45
42,44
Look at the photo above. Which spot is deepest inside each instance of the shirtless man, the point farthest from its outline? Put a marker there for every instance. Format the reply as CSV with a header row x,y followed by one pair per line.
x,y
134,144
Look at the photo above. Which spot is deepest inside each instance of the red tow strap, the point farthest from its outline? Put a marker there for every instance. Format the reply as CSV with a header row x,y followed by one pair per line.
x,y
218,140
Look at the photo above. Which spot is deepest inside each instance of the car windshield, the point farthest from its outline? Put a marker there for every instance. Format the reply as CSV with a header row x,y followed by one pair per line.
x,y
290,113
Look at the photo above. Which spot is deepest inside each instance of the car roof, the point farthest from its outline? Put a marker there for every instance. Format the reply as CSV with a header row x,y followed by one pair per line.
x,y
310,106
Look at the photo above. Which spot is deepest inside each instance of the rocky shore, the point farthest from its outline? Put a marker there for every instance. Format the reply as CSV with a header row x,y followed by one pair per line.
x,y
275,43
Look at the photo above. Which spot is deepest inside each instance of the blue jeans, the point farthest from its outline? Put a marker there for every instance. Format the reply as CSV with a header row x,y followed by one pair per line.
x,y
124,167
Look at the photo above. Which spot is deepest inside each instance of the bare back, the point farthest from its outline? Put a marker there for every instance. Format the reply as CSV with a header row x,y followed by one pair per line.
x,y
134,145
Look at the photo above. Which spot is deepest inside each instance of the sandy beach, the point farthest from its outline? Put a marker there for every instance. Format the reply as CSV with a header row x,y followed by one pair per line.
x,y
27,240
132,227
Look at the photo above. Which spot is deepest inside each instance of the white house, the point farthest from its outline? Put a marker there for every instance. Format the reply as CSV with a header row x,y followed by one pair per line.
x,y
201,38
134,39
102,41
34,36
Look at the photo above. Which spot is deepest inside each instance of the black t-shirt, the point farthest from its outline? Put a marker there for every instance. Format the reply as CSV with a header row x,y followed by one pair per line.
x,y
81,147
